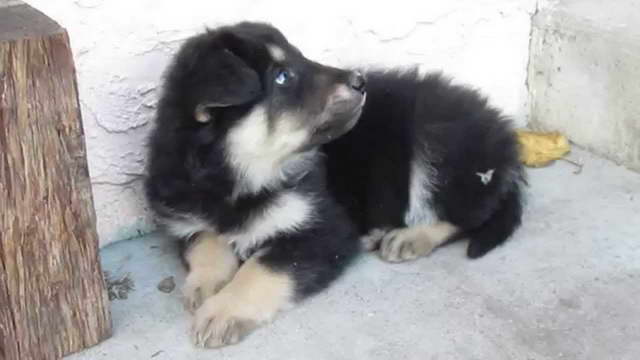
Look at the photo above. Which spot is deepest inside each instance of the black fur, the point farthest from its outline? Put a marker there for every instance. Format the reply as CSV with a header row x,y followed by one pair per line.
x,y
457,134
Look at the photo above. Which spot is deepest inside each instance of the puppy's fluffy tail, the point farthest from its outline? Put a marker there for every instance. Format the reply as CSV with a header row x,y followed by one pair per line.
x,y
499,227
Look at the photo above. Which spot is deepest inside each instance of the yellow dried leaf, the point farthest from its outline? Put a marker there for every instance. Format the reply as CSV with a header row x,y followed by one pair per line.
x,y
539,149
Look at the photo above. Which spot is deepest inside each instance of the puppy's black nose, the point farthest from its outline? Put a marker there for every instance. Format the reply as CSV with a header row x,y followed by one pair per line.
x,y
357,81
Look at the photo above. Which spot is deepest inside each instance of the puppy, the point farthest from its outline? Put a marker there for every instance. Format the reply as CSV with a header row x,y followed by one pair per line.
x,y
259,162
235,170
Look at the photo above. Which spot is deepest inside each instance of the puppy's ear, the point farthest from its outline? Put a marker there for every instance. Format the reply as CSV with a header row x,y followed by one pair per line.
x,y
233,83
214,76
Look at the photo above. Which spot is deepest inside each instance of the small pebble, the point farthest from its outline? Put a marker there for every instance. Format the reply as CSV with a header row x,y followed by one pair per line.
x,y
167,285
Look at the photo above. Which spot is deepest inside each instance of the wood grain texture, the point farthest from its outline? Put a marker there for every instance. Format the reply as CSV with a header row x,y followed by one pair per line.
x,y
52,296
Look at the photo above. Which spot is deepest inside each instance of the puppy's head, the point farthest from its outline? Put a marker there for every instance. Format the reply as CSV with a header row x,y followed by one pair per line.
x,y
248,82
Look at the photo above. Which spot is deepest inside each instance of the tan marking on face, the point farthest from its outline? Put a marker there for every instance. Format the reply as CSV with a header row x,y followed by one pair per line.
x,y
276,52
201,114
212,264
410,243
341,92
254,296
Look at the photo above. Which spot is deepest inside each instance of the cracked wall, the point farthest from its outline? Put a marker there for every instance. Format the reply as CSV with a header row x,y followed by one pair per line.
x,y
122,47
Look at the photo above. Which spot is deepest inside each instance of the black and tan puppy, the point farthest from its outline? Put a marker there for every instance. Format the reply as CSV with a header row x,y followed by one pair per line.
x,y
254,158
235,170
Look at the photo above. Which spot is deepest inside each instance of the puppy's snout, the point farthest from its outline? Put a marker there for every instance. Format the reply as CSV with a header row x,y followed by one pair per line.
x,y
357,81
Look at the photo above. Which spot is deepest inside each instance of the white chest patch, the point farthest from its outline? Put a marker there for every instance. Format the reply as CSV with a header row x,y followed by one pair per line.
x,y
419,211
258,153
288,212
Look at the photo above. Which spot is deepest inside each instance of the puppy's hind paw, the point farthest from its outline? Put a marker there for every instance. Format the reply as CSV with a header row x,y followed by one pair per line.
x,y
401,245
410,243
371,241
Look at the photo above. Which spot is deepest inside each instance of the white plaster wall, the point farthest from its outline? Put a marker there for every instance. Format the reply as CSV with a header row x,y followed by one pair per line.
x,y
583,75
122,47
6,3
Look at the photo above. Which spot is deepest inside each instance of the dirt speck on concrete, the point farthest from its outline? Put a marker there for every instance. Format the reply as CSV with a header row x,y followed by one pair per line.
x,y
167,284
118,288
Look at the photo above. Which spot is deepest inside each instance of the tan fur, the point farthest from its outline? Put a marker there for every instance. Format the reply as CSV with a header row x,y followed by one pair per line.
x,y
212,264
276,52
201,114
253,297
412,242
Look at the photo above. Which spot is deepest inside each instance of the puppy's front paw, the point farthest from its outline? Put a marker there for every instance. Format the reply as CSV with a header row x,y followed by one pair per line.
x,y
218,323
200,285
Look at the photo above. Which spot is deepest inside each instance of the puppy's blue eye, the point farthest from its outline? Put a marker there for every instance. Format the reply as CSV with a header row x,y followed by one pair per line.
x,y
282,77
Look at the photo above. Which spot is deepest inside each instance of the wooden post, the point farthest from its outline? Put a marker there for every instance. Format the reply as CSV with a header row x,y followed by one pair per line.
x,y
52,296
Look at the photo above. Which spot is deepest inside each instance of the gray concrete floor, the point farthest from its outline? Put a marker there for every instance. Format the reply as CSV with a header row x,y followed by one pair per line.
x,y
567,286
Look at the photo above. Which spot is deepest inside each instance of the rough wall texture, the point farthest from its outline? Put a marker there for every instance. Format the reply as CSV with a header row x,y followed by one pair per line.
x,y
121,48
583,75
5,3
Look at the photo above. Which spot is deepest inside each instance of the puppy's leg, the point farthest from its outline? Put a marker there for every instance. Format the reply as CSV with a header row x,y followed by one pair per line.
x,y
252,298
409,243
212,264
291,268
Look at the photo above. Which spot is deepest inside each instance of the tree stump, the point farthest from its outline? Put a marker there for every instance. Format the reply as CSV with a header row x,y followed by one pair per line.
x,y
52,295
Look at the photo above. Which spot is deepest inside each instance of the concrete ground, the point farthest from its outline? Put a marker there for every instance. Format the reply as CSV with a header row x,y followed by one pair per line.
x,y
567,286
